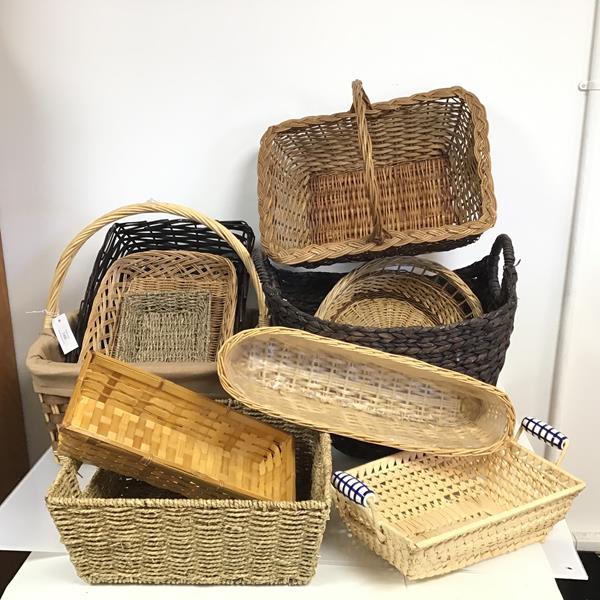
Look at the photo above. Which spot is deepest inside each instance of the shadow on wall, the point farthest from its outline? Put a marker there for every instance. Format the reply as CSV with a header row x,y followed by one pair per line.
x,y
21,191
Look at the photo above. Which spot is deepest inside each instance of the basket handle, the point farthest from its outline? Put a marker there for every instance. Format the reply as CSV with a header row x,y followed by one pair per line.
x,y
69,253
548,434
499,291
360,493
360,105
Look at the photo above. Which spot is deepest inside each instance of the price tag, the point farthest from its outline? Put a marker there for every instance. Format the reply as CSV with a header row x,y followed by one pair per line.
x,y
63,333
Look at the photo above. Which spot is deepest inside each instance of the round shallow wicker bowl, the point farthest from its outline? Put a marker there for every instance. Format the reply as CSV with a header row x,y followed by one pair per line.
x,y
400,292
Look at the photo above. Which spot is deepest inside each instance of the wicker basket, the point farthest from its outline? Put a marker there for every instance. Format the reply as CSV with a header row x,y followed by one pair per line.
x,y
367,394
475,347
128,237
428,515
126,420
163,271
412,173
400,292
54,379
120,531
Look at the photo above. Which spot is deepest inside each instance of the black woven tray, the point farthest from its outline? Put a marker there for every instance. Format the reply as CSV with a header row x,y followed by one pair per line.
x,y
129,237
475,347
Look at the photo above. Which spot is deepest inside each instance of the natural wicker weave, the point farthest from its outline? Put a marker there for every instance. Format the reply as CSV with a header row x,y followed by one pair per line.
x,y
120,531
164,234
412,172
400,292
432,515
475,347
128,421
54,379
163,271
367,394
163,326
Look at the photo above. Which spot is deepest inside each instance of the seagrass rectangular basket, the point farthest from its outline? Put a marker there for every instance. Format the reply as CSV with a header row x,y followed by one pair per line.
x,y
411,175
129,421
118,530
429,515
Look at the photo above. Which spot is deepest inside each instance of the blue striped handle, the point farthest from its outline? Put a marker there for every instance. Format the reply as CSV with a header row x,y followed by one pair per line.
x,y
354,489
545,432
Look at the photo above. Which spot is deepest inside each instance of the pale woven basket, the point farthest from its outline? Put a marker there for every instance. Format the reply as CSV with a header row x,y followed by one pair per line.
x,y
118,530
364,393
430,515
400,292
161,271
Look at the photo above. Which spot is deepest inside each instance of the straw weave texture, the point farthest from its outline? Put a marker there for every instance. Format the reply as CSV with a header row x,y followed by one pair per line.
x,y
367,394
163,327
400,292
412,173
434,515
120,531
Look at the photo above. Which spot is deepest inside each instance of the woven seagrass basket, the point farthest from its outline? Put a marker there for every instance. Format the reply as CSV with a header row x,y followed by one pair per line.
x,y
412,173
128,237
429,515
129,421
118,530
54,379
162,271
370,395
400,292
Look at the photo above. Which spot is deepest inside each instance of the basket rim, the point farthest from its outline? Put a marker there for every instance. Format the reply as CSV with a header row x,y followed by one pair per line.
x,y
318,252
406,457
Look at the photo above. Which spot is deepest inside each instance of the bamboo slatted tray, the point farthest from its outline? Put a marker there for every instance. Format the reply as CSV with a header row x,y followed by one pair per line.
x,y
430,515
363,393
126,420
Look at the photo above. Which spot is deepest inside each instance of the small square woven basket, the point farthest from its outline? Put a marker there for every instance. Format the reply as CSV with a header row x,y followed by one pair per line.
x,y
118,530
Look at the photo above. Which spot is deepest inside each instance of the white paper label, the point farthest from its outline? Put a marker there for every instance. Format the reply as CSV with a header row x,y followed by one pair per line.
x,y
63,333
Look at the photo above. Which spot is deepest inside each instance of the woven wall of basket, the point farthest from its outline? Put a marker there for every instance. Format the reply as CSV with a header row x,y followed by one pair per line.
x,y
161,273
412,173
400,292
54,379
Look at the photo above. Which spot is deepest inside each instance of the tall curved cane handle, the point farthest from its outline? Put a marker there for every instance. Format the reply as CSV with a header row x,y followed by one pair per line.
x,y
548,434
66,258
360,104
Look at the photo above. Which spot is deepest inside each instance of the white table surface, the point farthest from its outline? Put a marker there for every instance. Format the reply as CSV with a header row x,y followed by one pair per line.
x,y
345,566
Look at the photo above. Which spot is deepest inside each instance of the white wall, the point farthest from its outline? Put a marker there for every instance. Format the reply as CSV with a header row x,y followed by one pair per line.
x,y
114,101
576,400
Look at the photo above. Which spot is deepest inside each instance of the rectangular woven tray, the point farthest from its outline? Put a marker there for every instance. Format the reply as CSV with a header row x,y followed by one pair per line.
x,y
126,420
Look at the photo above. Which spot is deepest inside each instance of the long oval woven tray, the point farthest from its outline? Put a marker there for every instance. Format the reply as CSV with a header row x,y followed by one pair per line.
x,y
363,393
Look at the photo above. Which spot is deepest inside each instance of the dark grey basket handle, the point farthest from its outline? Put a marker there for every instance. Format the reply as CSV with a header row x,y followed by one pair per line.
x,y
499,291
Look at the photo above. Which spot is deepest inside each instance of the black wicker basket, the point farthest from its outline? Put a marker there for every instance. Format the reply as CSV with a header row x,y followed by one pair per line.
x,y
476,347
129,237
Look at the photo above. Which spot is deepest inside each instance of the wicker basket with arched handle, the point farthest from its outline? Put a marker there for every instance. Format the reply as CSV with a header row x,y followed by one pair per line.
x,y
54,379
410,175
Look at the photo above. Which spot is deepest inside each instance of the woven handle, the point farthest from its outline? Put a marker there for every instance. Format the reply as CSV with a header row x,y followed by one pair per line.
x,y
548,434
499,291
79,240
360,104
